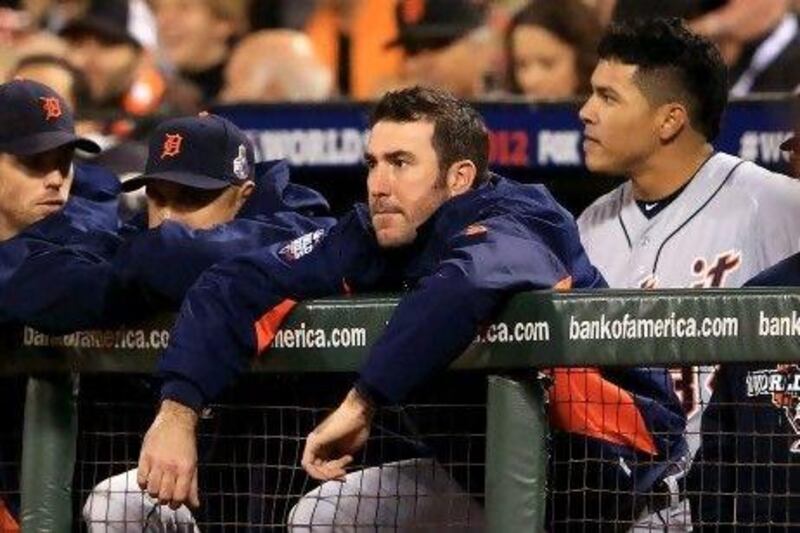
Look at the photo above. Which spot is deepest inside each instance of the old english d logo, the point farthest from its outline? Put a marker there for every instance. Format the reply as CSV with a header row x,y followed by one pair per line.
x,y
172,145
51,107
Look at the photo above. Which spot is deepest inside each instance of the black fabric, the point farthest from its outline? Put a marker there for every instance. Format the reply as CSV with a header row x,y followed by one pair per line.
x,y
627,10
779,76
345,63
608,504
209,81
429,25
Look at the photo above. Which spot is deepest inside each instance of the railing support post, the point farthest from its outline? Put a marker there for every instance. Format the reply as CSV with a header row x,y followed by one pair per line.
x,y
516,456
48,453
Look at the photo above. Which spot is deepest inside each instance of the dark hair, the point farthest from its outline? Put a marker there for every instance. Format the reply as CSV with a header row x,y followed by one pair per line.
x,y
80,87
572,21
458,130
673,65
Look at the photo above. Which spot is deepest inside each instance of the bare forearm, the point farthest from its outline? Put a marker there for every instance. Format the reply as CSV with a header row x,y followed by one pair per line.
x,y
168,460
175,412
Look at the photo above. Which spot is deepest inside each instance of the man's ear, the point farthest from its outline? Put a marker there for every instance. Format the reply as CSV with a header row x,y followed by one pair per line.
x,y
460,176
245,190
672,119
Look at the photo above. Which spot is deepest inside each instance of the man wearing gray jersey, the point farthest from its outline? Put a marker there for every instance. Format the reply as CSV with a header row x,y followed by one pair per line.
x,y
687,216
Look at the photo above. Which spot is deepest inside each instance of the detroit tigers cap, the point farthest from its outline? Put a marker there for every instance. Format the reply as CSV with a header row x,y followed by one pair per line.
x,y
35,119
204,152
432,24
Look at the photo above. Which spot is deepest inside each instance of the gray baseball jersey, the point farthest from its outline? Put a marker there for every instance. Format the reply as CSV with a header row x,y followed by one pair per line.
x,y
733,220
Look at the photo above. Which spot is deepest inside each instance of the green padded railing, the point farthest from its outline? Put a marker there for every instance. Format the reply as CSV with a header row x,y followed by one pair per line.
x,y
666,328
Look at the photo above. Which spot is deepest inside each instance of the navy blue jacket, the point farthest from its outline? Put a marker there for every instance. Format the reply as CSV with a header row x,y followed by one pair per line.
x,y
475,252
105,278
92,206
93,203
748,465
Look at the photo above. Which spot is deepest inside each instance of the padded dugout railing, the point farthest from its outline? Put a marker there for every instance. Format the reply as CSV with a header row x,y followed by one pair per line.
x,y
535,330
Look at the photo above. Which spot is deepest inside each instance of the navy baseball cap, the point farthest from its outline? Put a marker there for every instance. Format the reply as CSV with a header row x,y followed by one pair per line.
x,y
108,20
433,24
203,152
35,119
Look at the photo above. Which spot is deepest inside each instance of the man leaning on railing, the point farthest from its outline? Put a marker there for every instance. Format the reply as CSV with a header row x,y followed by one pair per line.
x,y
458,241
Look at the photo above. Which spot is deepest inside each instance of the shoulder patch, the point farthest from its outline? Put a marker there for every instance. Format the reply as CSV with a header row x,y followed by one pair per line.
x,y
301,246
475,229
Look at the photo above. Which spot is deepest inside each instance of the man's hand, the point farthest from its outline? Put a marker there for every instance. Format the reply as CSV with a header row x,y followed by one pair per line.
x,y
330,447
168,460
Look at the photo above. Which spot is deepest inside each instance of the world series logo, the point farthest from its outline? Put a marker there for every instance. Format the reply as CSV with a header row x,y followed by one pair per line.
x,y
782,385
301,246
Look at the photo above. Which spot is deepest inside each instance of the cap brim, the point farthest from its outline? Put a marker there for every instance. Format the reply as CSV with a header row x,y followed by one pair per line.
x,y
188,179
792,144
415,45
107,32
48,140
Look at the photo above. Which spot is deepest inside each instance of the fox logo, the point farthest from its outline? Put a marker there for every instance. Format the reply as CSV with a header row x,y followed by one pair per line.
x,y
172,145
51,107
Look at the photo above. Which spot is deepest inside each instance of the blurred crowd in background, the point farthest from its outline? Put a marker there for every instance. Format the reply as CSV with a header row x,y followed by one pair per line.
x,y
127,64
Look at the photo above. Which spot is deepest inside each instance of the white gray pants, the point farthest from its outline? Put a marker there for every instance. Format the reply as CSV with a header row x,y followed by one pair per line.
x,y
419,495
410,495
675,519
117,505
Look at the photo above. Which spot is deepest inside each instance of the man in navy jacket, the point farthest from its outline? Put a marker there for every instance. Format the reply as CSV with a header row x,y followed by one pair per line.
x,y
45,197
206,201
459,240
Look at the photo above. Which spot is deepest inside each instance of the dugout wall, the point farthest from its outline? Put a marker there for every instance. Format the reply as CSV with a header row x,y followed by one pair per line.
x,y
628,328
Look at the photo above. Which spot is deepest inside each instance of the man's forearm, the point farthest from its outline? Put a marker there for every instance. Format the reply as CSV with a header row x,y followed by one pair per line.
x,y
359,404
424,336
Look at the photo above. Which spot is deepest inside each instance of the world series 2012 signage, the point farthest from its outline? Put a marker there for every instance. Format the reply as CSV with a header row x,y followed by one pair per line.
x,y
523,135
